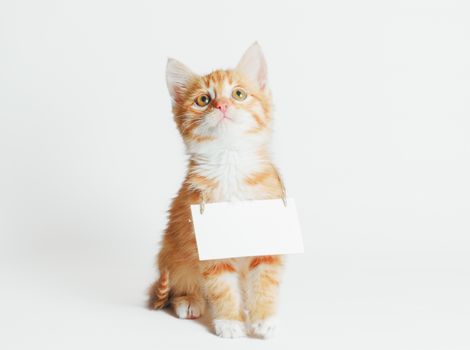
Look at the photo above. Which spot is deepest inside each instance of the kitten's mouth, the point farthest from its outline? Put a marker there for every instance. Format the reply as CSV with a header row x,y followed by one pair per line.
x,y
224,117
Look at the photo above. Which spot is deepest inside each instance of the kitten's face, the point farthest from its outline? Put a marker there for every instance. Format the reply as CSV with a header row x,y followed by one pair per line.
x,y
224,105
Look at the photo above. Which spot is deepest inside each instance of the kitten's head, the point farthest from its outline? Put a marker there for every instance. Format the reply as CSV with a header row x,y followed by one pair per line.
x,y
224,106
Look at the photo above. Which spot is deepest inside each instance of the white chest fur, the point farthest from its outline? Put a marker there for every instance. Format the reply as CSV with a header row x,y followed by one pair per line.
x,y
228,161
229,169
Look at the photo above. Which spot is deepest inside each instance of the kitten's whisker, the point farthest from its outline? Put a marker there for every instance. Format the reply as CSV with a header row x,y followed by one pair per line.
x,y
190,124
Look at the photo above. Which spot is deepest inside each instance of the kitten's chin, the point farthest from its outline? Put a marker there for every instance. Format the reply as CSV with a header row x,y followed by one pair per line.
x,y
233,132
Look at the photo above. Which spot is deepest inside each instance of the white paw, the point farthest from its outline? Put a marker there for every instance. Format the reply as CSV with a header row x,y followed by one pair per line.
x,y
229,328
184,309
265,328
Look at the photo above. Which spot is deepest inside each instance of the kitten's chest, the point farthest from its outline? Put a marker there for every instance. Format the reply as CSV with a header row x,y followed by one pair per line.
x,y
229,170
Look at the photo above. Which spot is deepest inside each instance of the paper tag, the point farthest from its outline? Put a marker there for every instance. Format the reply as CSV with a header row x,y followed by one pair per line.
x,y
247,228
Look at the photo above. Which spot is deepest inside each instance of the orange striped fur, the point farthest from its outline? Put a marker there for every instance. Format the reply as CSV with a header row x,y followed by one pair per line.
x,y
218,269
270,260
159,292
227,141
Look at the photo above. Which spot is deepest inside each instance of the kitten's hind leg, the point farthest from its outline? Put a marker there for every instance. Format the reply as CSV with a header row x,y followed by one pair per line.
x,y
190,306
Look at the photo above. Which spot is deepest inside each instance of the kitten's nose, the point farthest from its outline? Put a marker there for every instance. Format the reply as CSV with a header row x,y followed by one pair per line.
x,y
221,104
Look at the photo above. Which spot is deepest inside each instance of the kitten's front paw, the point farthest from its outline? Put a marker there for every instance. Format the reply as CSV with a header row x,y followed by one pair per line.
x,y
264,328
229,328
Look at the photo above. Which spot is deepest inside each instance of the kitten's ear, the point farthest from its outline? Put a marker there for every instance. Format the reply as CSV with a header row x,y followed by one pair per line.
x,y
177,77
253,65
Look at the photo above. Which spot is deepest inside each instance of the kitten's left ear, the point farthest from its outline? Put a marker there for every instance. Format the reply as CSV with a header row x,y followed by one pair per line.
x,y
253,65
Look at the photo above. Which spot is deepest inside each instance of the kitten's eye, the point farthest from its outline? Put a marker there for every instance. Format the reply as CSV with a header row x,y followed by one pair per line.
x,y
203,100
239,94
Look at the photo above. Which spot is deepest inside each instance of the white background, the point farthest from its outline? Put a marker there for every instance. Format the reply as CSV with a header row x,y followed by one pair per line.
x,y
372,137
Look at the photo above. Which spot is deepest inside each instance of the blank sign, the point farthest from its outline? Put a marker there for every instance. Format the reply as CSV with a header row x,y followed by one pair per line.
x,y
247,228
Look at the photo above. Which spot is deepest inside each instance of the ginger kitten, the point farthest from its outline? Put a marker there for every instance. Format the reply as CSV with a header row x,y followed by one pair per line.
x,y
225,121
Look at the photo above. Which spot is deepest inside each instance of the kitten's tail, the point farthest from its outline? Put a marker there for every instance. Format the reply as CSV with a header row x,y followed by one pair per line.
x,y
159,293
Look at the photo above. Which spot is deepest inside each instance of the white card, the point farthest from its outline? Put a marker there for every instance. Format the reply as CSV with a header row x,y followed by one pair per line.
x,y
247,228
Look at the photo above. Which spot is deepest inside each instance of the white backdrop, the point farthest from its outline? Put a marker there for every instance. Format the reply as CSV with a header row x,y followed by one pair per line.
x,y
372,137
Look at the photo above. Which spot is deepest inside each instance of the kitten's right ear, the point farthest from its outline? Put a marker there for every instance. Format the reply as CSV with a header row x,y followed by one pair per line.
x,y
177,78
